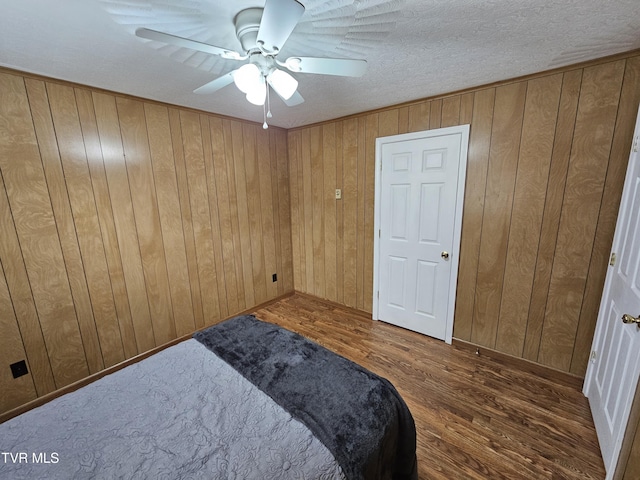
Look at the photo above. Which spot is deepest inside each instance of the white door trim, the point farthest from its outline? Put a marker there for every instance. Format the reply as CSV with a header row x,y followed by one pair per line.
x,y
455,253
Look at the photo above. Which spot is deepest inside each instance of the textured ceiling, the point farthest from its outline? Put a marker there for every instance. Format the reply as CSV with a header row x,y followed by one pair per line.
x,y
414,48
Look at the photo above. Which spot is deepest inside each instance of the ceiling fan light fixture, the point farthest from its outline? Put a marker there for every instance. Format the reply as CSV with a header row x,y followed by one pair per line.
x,y
283,83
247,77
258,92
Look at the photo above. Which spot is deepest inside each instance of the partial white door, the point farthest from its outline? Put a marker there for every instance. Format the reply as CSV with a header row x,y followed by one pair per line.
x,y
613,373
419,195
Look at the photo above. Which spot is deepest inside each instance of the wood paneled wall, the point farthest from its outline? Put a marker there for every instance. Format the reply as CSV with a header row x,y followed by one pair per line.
x,y
547,158
126,224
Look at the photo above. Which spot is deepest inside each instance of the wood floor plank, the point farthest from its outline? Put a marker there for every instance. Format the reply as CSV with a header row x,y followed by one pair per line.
x,y
476,417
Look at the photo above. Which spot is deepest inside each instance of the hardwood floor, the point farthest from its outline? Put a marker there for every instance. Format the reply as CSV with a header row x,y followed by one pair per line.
x,y
476,417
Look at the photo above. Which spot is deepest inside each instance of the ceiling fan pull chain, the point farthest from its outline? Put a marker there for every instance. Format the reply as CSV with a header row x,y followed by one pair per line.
x,y
264,112
268,100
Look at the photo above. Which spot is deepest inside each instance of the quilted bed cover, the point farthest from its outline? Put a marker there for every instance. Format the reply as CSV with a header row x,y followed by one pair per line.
x,y
197,411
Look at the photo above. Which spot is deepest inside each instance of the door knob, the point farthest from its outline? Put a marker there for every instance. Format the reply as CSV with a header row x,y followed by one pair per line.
x,y
444,255
626,318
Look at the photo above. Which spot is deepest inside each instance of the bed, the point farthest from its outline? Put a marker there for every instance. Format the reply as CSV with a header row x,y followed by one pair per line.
x,y
244,399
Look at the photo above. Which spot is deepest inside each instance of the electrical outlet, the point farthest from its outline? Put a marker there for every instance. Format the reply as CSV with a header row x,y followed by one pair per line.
x,y
274,277
338,194
19,369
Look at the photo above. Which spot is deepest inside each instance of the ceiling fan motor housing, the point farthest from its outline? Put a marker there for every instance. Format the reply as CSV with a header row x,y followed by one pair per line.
x,y
247,24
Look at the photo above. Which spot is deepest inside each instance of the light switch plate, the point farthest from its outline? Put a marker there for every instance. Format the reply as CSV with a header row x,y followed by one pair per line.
x,y
338,194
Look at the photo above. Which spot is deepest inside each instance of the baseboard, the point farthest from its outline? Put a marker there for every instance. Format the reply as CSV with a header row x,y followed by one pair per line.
x,y
558,376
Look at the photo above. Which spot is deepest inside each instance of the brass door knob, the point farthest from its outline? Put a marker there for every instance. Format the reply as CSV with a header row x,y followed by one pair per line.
x,y
626,318
444,255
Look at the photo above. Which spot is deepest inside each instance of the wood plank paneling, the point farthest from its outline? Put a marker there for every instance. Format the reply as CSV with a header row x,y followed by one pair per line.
x,y
435,115
68,134
187,221
551,217
369,204
284,210
317,211
218,180
200,214
30,206
147,217
503,162
522,201
266,158
15,392
212,195
243,212
109,239
349,209
330,202
60,202
361,233
122,222
476,182
120,193
164,176
254,209
536,147
450,111
616,170
233,212
597,110
22,299
419,116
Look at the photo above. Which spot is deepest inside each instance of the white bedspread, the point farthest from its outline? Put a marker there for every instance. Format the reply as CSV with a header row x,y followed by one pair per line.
x,y
180,414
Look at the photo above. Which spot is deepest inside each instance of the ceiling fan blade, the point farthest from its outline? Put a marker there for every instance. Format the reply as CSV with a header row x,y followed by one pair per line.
x,y
279,18
344,67
186,43
216,84
295,99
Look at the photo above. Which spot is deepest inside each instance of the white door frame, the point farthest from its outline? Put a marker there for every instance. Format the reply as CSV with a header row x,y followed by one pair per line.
x,y
455,251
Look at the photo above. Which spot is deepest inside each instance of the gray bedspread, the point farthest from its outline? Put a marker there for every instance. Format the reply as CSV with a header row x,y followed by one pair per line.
x,y
180,414
358,415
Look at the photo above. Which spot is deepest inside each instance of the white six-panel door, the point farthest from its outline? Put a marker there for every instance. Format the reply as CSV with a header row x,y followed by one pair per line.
x,y
613,372
420,187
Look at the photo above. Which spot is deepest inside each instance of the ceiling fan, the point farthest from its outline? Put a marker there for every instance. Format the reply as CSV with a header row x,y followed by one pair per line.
x,y
262,33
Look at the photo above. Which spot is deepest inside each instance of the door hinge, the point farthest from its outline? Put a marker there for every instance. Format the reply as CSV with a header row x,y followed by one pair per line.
x,y
612,259
634,147
593,356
